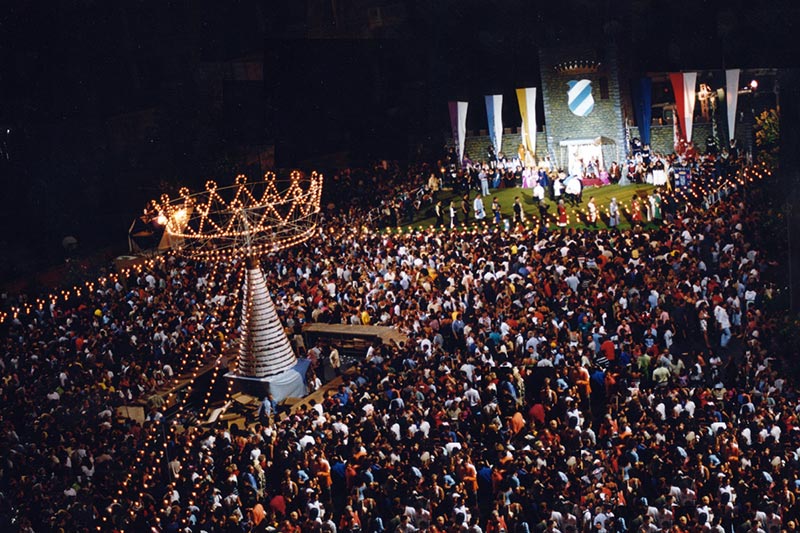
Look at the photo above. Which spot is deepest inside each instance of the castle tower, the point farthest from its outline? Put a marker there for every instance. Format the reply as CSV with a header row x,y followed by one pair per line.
x,y
582,97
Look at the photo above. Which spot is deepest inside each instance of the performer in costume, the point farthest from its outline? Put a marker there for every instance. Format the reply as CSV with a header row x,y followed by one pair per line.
x,y
484,181
496,210
636,210
657,215
479,208
519,214
613,213
615,172
538,192
592,211
659,175
562,214
558,188
527,178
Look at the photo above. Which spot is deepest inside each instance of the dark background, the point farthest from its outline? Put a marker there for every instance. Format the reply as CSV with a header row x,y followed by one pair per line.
x,y
105,105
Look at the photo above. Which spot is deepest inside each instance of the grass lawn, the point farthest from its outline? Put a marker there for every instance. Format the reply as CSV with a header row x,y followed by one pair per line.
x,y
602,197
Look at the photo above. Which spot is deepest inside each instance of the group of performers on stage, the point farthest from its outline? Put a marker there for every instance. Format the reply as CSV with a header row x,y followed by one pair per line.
x,y
547,181
640,167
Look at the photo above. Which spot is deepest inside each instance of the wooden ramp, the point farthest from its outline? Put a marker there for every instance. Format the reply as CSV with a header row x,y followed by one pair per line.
x,y
167,396
243,411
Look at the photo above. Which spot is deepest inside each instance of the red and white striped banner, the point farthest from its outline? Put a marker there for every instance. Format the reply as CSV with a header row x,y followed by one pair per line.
x,y
683,85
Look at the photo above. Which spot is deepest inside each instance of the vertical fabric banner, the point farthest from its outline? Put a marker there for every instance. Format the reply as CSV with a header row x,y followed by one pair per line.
x,y
643,102
689,83
676,78
527,110
731,99
494,115
458,123
462,130
453,107
683,85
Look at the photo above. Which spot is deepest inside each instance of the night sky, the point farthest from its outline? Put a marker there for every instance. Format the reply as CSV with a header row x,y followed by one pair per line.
x,y
104,105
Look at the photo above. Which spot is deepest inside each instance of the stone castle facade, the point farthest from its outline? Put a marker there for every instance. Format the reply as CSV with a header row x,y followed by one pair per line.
x,y
564,132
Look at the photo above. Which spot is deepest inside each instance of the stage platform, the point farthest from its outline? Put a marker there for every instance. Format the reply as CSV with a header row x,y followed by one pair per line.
x,y
593,182
352,341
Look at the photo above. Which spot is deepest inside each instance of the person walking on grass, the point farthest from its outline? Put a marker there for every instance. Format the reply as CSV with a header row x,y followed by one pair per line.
x,y
496,210
519,213
479,208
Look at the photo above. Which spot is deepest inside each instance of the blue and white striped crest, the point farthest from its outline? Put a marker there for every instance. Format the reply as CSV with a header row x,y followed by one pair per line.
x,y
579,95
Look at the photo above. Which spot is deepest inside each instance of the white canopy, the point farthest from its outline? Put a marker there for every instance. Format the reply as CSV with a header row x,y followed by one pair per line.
x,y
596,141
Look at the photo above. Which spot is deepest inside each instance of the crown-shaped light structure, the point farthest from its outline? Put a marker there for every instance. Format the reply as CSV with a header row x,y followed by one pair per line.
x,y
577,66
245,221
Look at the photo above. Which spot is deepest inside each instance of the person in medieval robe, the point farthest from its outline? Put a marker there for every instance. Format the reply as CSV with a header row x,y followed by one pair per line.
x,y
615,172
538,192
659,174
636,209
613,213
519,212
558,188
496,210
592,212
479,208
657,214
562,214
528,178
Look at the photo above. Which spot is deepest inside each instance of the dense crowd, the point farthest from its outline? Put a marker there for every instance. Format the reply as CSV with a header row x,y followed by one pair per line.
x,y
561,381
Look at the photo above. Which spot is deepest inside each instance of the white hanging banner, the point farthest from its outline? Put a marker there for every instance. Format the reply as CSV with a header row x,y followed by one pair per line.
x,y
689,82
462,129
732,99
494,115
527,109
458,122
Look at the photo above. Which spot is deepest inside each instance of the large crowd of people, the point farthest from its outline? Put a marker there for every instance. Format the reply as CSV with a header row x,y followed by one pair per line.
x,y
553,381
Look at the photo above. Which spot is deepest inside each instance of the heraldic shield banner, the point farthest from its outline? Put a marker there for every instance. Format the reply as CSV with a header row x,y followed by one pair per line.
x,y
579,97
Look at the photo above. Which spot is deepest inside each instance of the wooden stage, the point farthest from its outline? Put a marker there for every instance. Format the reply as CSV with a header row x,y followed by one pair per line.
x,y
351,340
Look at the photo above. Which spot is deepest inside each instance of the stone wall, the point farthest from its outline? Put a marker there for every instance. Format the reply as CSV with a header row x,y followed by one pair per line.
x,y
662,137
661,141
476,146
